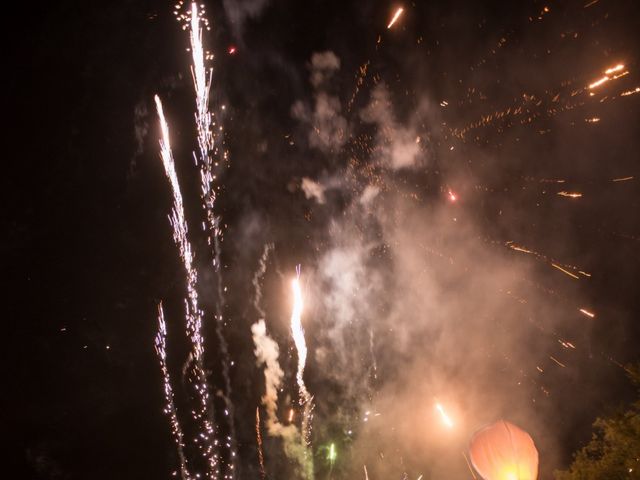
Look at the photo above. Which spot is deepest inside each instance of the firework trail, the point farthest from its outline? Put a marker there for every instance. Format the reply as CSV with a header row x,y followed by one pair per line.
x,y
193,314
395,17
259,440
203,117
306,400
170,408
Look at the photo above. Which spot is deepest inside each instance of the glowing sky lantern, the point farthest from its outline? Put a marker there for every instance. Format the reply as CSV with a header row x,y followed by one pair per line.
x,y
503,451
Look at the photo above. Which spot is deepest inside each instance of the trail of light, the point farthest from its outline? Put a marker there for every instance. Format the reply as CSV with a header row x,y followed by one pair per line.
x,y
202,85
565,271
587,313
558,362
615,69
301,347
445,418
395,17
192,311
623,179
608,75
630,92
170,408
259,441
366,475
570,194
469,465
598,82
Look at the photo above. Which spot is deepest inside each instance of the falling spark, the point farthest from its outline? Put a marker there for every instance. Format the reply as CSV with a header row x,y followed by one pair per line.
x,y
598,82
259,441
290,419
193,314
570,194
630,92
558,362
301,347
445,418
231,50
615,69
565,271
608,75
395,17
587,313
452,196
623,179
592,120
170,408
366,475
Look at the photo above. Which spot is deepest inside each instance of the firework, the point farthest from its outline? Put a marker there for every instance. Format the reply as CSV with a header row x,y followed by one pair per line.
x,y
301,347
193,314
570,194
609,74
170,408
395,17
587,313
566,272
202,85
259,441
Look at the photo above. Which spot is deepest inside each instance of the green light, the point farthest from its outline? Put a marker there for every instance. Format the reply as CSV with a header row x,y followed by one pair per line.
x,y
332,452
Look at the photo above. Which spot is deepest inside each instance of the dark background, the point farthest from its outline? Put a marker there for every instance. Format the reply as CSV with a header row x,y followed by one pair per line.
x,y
87,247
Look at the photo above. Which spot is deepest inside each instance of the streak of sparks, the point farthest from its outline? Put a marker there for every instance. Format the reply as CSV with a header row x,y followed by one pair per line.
x,y
587,313
202,84
630,92
366,475
395,17
301,347
558,362
615,69
609,75
193,314
570,194
259,441
565,271
622,179
170,407
443,415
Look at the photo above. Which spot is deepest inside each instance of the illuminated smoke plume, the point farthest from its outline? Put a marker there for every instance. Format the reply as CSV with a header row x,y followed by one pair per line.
x,y
328,129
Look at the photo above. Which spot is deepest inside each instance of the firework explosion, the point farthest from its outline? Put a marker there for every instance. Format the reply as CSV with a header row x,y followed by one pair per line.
x,y
391,256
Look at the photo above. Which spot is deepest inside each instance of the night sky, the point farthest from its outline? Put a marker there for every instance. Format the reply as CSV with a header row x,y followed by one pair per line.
x,y
455,189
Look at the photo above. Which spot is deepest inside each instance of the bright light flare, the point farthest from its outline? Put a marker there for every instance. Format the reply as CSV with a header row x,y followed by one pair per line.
x,y
395,18
231,50
452,196
443,415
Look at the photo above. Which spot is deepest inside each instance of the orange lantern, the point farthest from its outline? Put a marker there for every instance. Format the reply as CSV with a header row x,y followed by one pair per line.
x,y
503,451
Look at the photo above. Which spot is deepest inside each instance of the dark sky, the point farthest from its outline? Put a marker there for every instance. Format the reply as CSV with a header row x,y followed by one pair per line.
x,y
431,292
